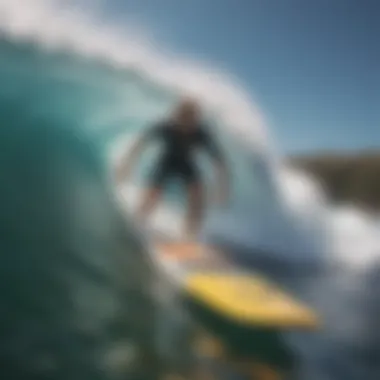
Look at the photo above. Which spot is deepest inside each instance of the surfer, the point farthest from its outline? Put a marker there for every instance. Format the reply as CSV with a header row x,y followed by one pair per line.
x,y
182,134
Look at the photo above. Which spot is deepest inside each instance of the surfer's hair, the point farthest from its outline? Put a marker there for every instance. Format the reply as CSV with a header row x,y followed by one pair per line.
x,y
74,278
185,102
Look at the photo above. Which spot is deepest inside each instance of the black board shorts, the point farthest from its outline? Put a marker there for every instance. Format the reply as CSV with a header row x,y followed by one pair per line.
x,y
173,169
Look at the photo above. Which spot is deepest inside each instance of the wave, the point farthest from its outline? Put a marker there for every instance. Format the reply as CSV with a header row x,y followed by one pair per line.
x,y
60,66
64,63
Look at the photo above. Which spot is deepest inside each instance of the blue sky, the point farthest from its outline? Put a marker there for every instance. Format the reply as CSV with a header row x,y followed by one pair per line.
x,y
312,65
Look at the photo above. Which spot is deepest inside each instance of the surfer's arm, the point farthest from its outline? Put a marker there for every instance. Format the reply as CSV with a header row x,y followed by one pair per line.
x,y
129,158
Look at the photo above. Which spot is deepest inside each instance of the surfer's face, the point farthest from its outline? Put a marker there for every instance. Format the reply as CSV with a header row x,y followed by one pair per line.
x,y
188,114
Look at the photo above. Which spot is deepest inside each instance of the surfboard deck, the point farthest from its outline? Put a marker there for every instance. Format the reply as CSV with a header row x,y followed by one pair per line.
x,y
243,297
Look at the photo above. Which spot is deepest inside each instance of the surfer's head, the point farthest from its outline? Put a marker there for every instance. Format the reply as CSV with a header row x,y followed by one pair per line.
x,y
187,112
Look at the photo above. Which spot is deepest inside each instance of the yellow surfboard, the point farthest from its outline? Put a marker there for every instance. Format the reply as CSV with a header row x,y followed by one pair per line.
x,y
243,297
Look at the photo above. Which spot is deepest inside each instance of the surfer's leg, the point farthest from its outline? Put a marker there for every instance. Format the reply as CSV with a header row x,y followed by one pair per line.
x,y
153,193
190,174
194,209
195,202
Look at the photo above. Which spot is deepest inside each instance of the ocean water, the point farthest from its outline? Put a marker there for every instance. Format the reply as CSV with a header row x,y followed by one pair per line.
x,y
61,67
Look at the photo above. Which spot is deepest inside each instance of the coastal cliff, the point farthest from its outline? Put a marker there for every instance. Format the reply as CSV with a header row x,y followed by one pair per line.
x,y
352,178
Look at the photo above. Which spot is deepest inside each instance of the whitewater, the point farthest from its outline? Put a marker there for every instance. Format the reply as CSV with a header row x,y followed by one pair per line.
x,y
60,60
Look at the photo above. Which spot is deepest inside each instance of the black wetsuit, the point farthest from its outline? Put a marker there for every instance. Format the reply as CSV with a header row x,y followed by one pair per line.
x,y
178,159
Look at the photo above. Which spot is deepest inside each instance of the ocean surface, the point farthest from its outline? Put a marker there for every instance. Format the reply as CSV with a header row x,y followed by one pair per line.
x,y
62,67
